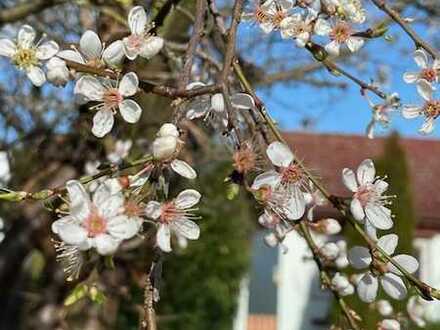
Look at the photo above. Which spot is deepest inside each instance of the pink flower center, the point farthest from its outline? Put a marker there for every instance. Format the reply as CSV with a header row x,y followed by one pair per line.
x,y
364,194
95,224
132,209
168,212
112,98
431,108
244,160
291,174
341,32
135,41
429,74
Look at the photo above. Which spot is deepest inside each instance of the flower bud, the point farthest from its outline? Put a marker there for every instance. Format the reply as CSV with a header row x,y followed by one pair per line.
x,y
57,72
218,102
330,251
330,226
168,129
340,282
152,46
164,147
270,240
342,261
348,290
384,307
389,324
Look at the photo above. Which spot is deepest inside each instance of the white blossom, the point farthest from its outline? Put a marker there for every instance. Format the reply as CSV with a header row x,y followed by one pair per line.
x,y
389,276
175,216
342,285
430,110
99,222
287,179
140,42
340,33
384,307
27,55
111,97
368,203
298,27
381,113
269,14
93,52
427,72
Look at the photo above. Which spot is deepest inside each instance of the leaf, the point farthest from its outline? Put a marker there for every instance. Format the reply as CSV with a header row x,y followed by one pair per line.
x,y
232,191
78,293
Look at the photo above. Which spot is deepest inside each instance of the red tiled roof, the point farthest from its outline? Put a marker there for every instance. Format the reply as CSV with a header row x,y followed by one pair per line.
x,y
327,154
261,322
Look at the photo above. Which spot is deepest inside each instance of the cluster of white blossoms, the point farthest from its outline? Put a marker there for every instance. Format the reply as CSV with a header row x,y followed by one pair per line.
x,y
302,20
426,80
113,96
105,212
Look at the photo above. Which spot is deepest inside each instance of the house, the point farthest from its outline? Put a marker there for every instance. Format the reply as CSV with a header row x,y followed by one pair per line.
x,y
282,291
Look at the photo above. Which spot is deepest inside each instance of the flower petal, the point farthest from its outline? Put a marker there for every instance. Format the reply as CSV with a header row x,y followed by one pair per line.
x,y
151,47
90,45
129,84
366,172
410,77
269,178
102,123
354,44
187,198
122,227
279,154
242,101
153,210
137,20
26,36
183,168
163,238
130,111
333,48
106,244
187,228
388,243
411,111
112,206
7,48
130,52
62,222
79,200
349,179
367,288
359,257
425,89
114,53
393,286
421,58
296,205
380,186
71,55
357,210
72,234
47,50
218,103
428,126
409,263
90,87
322,27
379,216
36,75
